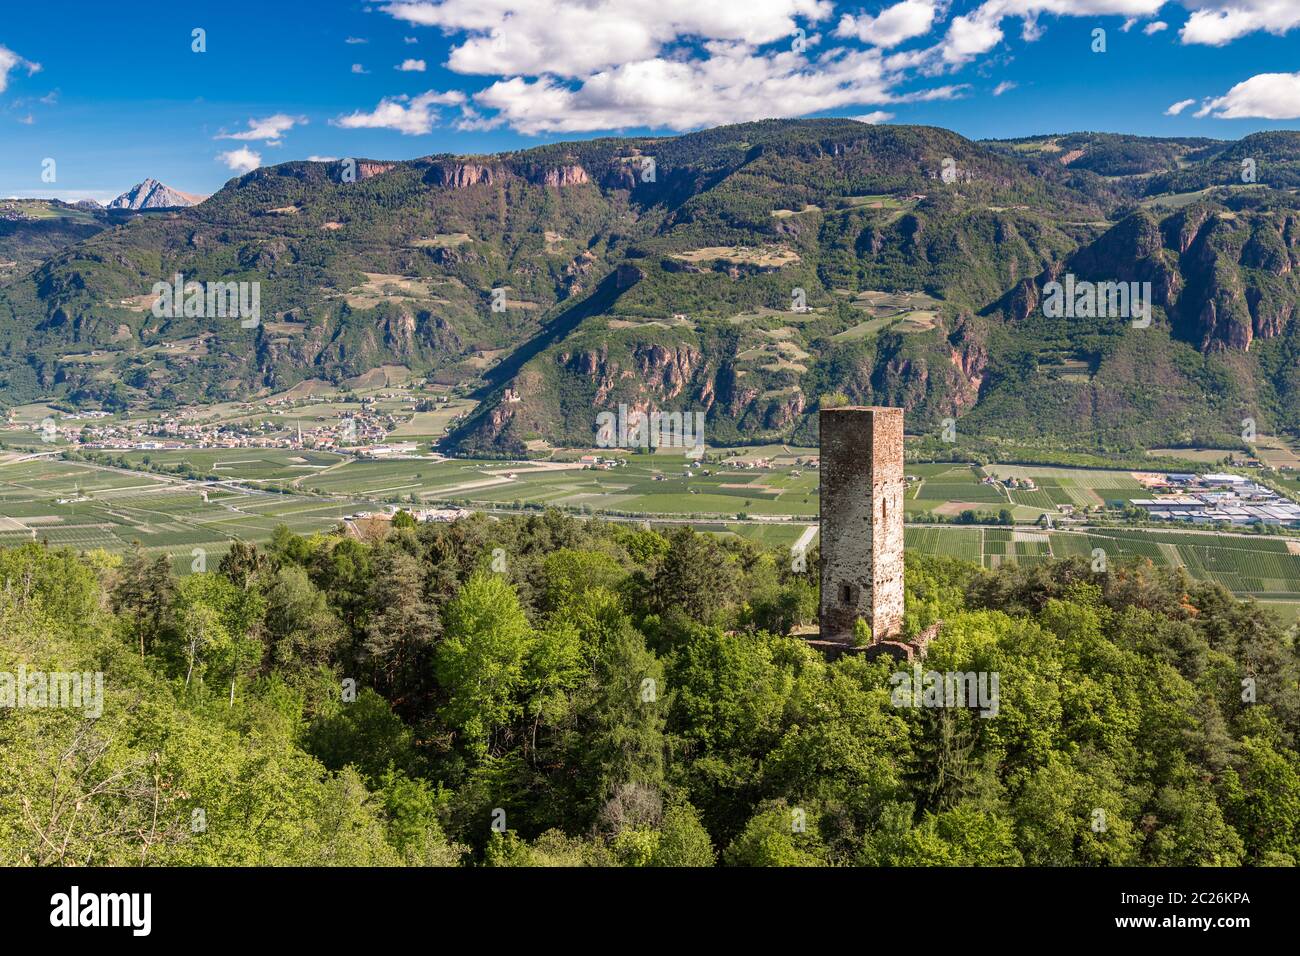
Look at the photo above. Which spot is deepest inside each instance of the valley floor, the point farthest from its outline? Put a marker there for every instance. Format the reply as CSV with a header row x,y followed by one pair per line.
x,y
88,505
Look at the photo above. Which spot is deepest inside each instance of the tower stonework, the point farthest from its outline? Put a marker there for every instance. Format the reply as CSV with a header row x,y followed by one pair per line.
x,y
862,489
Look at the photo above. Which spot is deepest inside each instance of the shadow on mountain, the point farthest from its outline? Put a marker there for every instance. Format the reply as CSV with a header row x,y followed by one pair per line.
x,y
600,300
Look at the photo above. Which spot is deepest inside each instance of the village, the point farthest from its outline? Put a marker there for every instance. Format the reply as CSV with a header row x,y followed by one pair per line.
x,y
362,433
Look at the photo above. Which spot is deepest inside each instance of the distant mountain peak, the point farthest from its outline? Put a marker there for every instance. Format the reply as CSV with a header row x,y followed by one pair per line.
x,y
152,194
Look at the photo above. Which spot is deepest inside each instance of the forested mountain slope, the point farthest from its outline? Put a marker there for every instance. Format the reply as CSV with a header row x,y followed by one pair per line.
x,y
618,696
746,272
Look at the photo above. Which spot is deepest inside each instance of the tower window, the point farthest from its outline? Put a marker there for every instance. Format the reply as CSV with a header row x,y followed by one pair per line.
x,y
846,594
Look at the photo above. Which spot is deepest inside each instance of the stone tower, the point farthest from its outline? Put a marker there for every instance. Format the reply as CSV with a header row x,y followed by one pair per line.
x,y
862,488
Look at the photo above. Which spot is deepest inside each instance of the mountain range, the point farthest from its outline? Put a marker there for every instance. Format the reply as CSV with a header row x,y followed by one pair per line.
x,y
750,272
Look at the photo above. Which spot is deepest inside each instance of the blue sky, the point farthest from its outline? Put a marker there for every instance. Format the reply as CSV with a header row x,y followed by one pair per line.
x,y
114,92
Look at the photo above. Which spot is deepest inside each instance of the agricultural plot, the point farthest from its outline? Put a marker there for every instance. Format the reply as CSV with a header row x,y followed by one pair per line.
x,y
1038,498
647,484
1249,566
385,478
86,507
1276,453
783,536
898,311
1206,455
1081,487
964,543
430,426
951,489
245,464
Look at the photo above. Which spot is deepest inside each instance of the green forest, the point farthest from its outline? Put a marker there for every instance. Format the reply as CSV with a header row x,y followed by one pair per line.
x,y
542,691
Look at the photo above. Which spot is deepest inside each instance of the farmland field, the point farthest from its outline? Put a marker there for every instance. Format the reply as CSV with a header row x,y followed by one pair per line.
x,y
1081,487
87,507
950,489
1248,565
241,463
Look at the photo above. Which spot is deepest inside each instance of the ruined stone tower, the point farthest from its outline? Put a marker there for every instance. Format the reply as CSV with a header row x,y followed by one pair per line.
x,y
862,488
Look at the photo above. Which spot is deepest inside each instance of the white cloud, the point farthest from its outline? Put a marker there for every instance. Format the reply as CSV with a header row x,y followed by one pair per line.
x,y
1274,96
589,65
1212,21
535,37
242,160
269,128
322,159
410,66
969,36
1216,22
732,85
1179,107
9,60
353,40
903,21
973,34
410,40
358,68
1006,86
472,119
411,116
875,118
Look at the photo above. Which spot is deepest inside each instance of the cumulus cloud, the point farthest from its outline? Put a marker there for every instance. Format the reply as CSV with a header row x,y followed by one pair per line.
x,y
9,60
1179,107
472,119
354,40
1274,96
411,116
874,118
322,159
269,129
903,21
535,37
732,85
1216,22
970,36
358,68
1006,86
587,65
410,66
242,160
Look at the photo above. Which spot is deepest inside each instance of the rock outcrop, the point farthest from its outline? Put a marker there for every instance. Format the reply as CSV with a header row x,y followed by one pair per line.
x,y
152,194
